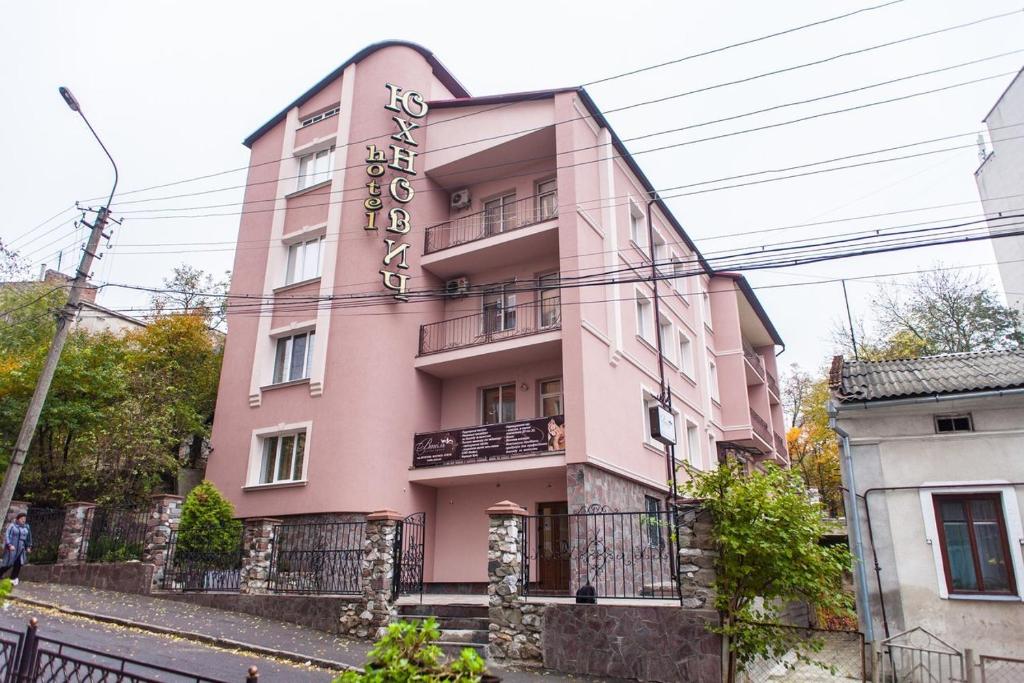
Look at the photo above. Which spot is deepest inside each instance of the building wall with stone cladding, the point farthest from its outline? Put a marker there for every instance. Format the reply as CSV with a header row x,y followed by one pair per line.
x,y
697,557
515,626
164,516
589,487
366,617
647,643
257,549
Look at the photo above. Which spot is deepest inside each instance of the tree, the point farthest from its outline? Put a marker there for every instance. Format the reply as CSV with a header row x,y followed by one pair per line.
x,y
794,389
192,290
767,531
208,523
12,267
812,445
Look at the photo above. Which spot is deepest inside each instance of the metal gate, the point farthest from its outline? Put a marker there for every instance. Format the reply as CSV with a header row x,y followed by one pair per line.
x,y
409,537
917,656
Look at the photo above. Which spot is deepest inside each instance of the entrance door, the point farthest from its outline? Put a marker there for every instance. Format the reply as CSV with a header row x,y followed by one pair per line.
x,y
553,547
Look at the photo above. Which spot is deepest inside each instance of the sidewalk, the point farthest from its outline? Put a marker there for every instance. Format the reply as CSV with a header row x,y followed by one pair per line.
x,y
225,629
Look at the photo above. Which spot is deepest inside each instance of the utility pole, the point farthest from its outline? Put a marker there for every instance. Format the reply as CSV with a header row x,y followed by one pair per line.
x,y
849,318
65,319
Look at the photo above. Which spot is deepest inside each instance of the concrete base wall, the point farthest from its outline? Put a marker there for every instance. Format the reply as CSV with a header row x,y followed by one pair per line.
x,y
123,577
322,612
638,642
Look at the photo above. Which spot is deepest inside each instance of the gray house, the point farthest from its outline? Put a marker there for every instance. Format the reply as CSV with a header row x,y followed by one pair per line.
x,y
934,450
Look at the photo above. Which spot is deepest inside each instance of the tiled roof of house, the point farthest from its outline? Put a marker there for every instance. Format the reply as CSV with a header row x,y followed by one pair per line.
x,y
951,373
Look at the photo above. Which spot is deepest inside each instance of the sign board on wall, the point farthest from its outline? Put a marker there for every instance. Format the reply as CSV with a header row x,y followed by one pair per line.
x,y
489,442
663,425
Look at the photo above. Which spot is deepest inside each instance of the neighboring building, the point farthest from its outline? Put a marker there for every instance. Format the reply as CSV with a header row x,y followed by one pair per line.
x,y
92,317
1000,180
510,386
934,449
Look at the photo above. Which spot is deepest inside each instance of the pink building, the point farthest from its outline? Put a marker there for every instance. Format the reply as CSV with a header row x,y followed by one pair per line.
x,y
455,313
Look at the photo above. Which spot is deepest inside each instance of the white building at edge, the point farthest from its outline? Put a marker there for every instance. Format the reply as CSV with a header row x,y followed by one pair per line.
x,y
934,450
1000,180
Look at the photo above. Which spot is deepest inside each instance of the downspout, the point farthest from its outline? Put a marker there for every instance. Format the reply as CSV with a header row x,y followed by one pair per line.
x,y
853,514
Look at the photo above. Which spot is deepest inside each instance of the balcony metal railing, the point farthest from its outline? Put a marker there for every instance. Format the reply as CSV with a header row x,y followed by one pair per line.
x,y
489,222
761,427
493,324
753,358
773,384
780,445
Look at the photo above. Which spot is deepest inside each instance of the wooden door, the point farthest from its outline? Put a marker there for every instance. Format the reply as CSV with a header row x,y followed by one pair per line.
x,y
553,548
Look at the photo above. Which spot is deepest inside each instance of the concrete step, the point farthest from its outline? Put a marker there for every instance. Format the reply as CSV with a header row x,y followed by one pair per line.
x,y
458,623
472,611
463,636
455,649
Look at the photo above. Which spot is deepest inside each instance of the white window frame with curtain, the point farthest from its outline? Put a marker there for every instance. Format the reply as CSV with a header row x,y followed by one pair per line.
x,y
506,409
713,382
305,260
549,296
644,317
498,306
547,199
668,349
549,395
315,168
637,225
686,361
499,214
279,456
293,356
693,445
661,253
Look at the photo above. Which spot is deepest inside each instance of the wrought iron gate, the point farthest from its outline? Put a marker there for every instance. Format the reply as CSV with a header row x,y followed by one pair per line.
x,y
409,537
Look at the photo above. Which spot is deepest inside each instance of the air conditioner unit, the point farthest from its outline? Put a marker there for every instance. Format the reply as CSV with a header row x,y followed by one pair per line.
x,y
460,199
457,287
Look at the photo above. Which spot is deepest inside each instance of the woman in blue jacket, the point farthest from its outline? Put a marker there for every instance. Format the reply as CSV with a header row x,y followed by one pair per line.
x,y
17,545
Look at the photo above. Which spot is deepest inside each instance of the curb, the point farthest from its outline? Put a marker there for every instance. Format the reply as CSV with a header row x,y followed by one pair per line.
x,y
196,637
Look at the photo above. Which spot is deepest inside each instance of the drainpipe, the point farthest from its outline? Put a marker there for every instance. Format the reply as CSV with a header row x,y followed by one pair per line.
x,y
853,514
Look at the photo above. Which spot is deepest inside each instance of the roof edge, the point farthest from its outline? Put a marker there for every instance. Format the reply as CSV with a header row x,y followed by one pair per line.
x,y
1002,95
442,73
755,303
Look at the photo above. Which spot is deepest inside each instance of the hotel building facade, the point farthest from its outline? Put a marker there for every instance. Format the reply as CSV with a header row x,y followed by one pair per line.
x,y
450,304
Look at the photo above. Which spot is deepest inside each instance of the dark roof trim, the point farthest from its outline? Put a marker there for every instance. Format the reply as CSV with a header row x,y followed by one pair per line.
x,y
755,303
503,98
1000,99
440,71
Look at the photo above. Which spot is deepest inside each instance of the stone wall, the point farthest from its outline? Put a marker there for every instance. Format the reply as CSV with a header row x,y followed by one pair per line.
x,y
257,549
515,625
367,616
647,643
591,487
322,612
164,515
697,557
123,577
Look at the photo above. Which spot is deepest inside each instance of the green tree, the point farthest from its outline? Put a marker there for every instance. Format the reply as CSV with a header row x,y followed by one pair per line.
x,y
208,522
767,532
192,290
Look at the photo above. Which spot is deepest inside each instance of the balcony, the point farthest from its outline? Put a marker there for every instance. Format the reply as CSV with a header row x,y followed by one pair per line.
x,y
754,365
761,428
773,388
780,445
518,231
496,337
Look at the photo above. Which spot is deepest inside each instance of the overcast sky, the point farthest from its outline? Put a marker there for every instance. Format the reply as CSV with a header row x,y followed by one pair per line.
x,y
173,88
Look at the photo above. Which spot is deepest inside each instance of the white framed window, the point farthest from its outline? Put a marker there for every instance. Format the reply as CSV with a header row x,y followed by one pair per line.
x,y
550,393
499,308
316,167
668,351
693,444
637,225
304,260
293,357
713,380
547,199
644,317
705,302
500,214
282,457
661,253
550,300
317,118
498,404
680,280
686,354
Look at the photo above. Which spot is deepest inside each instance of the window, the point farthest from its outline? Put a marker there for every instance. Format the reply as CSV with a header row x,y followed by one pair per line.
x,y
685,354
499,404
668,349
315,168
652,521
644,317
500,214
303,261
705,302
550,310
953,423
547,200
283,457
713,380
972,535
550,397
679,271
693,444
637,227
499,309
661,253
316,118
294,357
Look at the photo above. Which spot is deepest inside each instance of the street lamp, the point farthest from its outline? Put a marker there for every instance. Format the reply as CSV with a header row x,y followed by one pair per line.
x,y
72,103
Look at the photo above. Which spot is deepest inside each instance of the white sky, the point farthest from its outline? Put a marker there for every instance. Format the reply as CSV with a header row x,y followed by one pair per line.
x,y
173,88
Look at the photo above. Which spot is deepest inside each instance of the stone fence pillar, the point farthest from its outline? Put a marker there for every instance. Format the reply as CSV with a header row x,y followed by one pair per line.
x,y
697,557
515,628
373,611
164,515
73,537
18,507
257,549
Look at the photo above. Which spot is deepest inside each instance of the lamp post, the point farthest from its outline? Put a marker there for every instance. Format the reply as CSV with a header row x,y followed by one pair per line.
x,y
65,319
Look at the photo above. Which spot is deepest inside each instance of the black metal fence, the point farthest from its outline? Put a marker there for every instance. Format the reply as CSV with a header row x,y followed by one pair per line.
x,y
114,534
1001,669
30,658
492,325
320,557
409,548
194,570
600,554
834,656
493,221
47,524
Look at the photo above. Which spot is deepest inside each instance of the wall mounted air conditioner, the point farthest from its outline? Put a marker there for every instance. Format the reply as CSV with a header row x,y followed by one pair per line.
x,y
460,199
457,287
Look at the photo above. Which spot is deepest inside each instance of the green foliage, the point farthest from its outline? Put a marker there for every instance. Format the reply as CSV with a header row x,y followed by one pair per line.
x,y
406,654
208,523
767,532
110,549
6,586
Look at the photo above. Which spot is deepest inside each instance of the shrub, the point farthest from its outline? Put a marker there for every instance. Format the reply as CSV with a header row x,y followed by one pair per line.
x,y
208,523
406,654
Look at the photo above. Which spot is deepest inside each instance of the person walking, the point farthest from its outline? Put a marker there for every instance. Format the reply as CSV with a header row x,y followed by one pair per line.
x,y
17,546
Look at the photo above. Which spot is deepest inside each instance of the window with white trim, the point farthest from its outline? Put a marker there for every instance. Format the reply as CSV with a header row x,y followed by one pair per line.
x,y
974,543
693,444
705,302
644,317
665,333
547,199
283,457
315,168
293,357
317,118
304,260
498,404
713,380
550,391
661,252
679,273
637,226
686,354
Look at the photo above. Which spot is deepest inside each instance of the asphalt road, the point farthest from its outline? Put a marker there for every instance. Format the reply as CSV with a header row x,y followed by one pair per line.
x,y
165,651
